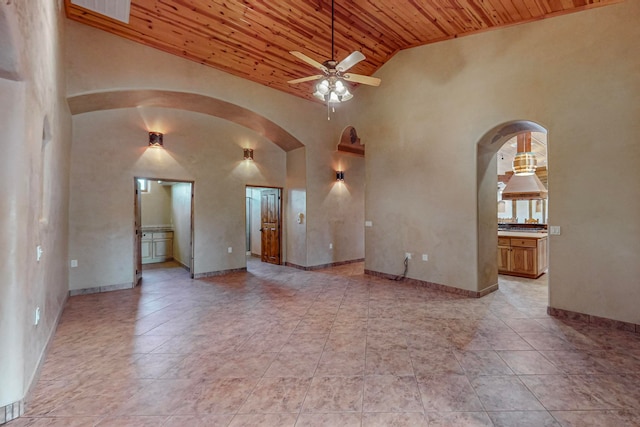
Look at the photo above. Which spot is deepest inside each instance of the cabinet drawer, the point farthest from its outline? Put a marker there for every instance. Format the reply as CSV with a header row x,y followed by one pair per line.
x,y
163,235
504,241
530,243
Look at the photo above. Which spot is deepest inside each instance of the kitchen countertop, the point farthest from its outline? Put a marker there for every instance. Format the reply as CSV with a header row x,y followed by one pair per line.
x,y
529,234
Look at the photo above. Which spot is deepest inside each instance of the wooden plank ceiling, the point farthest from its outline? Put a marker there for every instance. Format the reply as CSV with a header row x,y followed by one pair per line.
x,y
252,38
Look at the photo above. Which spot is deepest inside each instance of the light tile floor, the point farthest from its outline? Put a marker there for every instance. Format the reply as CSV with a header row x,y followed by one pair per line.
x,y
281,347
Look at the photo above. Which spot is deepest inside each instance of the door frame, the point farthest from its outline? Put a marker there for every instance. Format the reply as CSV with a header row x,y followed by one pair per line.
x,y
280,215
487,148
137,247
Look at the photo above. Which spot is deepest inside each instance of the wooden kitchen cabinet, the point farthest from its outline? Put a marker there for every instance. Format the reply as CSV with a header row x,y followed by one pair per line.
x,y
522,256
157,246
504,253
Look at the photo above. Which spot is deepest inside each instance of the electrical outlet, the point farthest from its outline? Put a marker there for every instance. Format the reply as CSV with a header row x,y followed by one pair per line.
x,y
407,255
39,252
36,318
425,257
229,249
368,223
330,245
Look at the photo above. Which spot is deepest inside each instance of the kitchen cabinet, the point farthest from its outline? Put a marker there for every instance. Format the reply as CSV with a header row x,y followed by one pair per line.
x,y
522,255
157,246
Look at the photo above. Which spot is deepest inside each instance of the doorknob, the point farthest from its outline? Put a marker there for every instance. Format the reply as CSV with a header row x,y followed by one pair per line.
x,y
261,230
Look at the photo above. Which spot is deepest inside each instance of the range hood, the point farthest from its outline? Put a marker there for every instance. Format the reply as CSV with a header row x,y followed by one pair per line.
x,y
524,187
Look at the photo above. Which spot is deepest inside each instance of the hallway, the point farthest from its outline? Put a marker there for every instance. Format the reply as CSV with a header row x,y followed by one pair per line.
x,y
276,346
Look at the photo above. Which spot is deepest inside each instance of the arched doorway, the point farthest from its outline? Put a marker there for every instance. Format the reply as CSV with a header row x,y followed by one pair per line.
x,y
487,182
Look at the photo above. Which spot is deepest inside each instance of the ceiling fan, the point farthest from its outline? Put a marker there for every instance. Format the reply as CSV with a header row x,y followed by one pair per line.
x,y
332,87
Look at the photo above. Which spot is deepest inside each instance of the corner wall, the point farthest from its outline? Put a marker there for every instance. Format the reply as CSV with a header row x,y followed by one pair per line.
x,y
181,214
35,133
296,204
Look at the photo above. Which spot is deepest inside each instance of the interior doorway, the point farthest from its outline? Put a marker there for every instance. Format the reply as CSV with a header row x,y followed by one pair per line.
x,y
163,224
517,251
264,223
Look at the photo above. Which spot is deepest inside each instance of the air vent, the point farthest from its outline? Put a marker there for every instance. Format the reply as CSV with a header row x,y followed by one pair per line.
x,y
116,9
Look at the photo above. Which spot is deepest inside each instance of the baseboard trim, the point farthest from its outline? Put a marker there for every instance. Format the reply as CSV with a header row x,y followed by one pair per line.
x,y
436,286
186,267
15,410
323,266
219,273
99,289
594,320
11,411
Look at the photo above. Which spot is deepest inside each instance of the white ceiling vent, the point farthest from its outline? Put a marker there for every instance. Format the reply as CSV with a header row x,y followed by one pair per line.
x,y
116,9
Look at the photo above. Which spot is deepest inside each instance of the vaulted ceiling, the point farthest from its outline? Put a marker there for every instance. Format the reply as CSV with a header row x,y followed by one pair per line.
x,y
252,38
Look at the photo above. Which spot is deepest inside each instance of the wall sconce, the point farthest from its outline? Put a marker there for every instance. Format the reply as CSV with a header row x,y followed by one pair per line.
x,y
248,154
155,139
339,175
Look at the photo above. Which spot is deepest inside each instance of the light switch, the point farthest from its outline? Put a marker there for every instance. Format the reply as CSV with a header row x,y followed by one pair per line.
x,y
368,224
74,263
554,230
229,249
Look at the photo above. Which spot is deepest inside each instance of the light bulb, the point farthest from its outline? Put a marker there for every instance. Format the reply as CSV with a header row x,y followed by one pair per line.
x,y
323,87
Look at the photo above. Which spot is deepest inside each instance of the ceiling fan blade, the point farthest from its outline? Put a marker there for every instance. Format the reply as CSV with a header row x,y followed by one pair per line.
x,y
306,79
350,61
308,60
365,80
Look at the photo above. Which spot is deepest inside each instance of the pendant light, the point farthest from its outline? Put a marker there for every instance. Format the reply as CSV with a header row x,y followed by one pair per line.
x,y
524,163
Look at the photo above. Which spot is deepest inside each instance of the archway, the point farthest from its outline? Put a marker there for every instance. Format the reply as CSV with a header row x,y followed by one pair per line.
x,y
185,101
487,181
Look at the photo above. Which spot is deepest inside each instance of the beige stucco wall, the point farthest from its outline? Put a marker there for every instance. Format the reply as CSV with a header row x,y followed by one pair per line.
x,y
156,205
181,215
110,149
341,211
296,198
335,211
576,75
35,136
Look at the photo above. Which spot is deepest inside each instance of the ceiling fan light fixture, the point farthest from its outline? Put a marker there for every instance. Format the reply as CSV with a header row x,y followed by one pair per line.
x,y
332,87
332,91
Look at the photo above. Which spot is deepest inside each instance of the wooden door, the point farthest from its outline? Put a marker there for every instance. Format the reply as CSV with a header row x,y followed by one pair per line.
x,y
270,225
137,245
